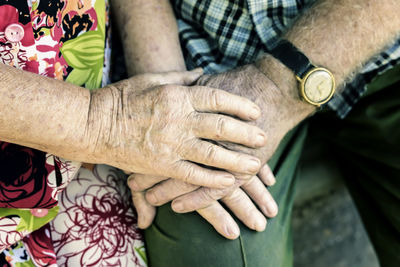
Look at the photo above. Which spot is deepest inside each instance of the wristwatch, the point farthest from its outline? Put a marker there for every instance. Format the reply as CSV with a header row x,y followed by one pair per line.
x,y
316,84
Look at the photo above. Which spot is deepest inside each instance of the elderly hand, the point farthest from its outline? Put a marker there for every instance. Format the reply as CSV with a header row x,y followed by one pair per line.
x,y
234,198
143,126
280,112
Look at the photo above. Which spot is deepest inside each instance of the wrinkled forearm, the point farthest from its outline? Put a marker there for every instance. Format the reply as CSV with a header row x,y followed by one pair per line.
x,y
150,36
340,35
43,113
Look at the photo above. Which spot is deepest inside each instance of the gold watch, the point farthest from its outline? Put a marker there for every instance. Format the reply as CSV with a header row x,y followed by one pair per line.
x,y
316,84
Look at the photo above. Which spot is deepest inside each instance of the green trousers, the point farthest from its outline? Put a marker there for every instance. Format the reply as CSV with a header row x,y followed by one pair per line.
x,y
366,146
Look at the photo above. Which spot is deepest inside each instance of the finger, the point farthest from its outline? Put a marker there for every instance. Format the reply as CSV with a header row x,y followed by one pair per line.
x,y
266,175
141,182
145,211
205,99
167,191
194,174
220,219
181,78
199,199
242,206
255,189
212,155
224,128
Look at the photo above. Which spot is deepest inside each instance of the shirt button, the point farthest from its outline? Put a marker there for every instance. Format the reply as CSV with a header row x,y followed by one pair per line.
x,y
14,33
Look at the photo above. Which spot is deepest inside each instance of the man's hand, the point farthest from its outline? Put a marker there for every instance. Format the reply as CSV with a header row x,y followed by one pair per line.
x,y
234,198
142,126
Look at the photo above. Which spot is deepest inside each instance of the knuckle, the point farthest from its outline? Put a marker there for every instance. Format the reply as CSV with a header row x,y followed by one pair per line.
x,y
249,182
217,194
234,198
216,99
220,126
211,152
189,174
155,197
207,196
168,91
196,119
251,136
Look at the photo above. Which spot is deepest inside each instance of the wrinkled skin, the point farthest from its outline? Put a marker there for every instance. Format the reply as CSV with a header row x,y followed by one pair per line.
x,y
160,129
276,120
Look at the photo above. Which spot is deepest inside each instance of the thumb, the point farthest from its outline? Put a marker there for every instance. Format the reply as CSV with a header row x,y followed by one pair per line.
x,y
145,211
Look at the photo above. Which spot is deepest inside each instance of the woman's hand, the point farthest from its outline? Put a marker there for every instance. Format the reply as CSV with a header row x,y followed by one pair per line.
x,y
142,125
151,191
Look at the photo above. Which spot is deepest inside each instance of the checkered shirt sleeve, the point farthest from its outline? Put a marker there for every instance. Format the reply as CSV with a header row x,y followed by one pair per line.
x,y
219,35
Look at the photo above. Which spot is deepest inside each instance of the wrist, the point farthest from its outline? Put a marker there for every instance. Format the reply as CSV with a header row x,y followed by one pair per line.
x,y
286,82
100,138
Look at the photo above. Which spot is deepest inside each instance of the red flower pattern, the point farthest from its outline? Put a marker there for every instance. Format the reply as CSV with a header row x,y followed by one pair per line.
x,y
40,247
23,178
97,226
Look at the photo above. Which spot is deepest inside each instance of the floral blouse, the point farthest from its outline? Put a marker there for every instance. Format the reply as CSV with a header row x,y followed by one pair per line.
x,y
66,40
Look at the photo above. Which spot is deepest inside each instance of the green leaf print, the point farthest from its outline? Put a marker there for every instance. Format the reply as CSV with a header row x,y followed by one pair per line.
x,y
78,76
27,263
142,253
85,53
29,222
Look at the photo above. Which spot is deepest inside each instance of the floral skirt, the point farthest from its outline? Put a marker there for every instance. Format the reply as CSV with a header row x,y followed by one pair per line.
x,y
95,225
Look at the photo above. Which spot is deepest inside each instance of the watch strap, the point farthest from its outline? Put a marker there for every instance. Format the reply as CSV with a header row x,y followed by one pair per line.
x,y
292,58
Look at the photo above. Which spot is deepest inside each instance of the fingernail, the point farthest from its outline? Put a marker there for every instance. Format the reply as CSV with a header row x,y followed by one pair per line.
x,y
253,165
271,179
272,208
177,206
151,197
260,225
227,180
232,231
260,139
255,113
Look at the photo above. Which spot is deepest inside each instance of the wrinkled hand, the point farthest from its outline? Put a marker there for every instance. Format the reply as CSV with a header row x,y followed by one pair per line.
x,y
234,198
280,113
145,127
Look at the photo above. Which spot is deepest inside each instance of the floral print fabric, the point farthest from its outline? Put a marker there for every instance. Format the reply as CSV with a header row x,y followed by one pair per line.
x,y
63,39
95,224
67,40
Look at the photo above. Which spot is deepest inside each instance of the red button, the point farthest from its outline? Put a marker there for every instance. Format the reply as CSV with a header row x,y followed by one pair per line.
x,y
14,33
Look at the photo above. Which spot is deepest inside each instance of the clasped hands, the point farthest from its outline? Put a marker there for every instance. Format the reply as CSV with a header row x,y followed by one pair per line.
x,y
248,198
197,144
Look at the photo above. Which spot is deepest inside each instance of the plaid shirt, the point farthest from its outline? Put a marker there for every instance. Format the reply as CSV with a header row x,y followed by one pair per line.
x,y
219,35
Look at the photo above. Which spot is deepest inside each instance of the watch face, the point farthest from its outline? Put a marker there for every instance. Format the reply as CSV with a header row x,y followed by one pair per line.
x,y
318,86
